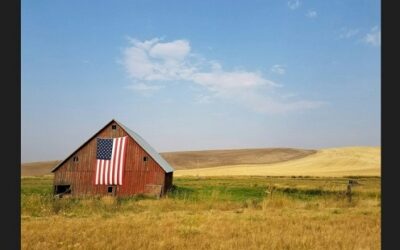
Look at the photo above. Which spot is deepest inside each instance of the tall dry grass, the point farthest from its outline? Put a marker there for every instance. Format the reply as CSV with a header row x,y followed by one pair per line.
x,y
211,213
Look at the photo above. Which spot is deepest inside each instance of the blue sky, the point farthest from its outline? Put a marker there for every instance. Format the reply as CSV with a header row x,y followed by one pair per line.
x,y
192,75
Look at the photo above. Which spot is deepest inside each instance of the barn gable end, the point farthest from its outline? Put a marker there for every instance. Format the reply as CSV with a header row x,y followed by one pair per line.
x,y
145,170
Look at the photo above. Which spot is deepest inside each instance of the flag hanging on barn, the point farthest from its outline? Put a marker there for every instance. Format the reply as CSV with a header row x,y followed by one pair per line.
x,y
110,160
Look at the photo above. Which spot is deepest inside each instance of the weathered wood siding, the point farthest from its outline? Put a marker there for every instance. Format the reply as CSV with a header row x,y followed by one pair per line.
x,y
139,176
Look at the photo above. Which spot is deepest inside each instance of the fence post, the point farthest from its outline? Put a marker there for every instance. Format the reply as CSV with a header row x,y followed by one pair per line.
x,y
348,192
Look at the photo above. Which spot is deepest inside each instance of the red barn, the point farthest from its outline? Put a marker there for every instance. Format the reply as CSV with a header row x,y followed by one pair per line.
x,y
143,171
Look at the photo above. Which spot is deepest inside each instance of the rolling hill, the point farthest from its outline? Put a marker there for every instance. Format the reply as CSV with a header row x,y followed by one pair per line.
x,y
215,158
37,168
266,161
345,161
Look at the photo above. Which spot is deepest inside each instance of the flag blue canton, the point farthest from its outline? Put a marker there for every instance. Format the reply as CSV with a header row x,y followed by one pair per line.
x,y
104,149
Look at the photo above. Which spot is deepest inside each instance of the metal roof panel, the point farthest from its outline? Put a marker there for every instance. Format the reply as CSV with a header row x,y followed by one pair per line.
x,y
149,149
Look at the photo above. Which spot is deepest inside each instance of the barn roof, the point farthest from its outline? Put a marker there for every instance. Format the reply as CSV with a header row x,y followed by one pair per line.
x,y
149,149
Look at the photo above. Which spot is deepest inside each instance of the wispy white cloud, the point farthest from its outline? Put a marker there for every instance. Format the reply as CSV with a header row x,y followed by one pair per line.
x,y
278,69
293,4
176,50
276,105
311,14
224,80
203,99
153,60
149,62
373,37
346,33
145,88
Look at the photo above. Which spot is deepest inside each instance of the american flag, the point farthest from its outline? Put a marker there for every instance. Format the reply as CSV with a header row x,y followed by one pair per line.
x,y
110,160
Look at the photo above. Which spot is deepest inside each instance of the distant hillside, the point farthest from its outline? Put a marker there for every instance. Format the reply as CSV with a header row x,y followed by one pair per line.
x,y
344,161
37,168
268,161
200,159
214,158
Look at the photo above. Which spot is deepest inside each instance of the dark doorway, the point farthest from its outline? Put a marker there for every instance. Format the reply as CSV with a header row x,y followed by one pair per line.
x,y
111,190
62,189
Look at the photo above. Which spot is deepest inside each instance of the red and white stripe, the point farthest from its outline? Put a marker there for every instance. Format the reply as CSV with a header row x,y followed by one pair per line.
x,y
109,172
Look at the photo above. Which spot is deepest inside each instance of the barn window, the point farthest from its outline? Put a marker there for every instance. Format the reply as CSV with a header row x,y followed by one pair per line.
x,y
75,159
111,190
114,126
144,158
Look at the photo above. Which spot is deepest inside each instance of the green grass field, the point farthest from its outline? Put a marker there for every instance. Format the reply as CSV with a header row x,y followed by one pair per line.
x,y
209,213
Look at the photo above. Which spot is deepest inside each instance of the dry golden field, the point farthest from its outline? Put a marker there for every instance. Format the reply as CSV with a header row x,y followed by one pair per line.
x,y
346,161
298,203
209,213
